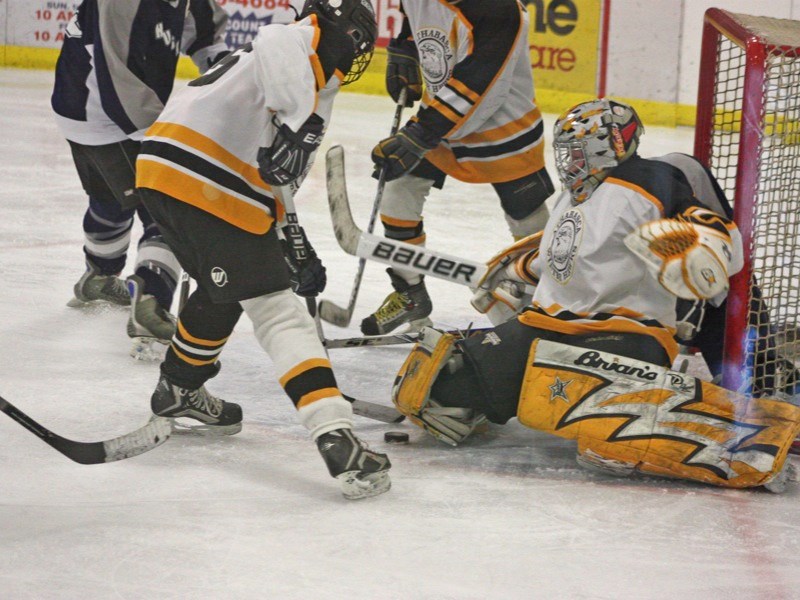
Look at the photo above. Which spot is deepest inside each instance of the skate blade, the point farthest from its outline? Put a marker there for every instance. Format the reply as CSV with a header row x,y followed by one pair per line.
x,y
356,486
194,428
148,349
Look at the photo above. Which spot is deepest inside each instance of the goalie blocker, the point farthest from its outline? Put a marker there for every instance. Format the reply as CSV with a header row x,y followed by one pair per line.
x,y
627,415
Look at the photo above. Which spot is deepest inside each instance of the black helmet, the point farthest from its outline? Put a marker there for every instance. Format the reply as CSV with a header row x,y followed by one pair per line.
x,y
357,19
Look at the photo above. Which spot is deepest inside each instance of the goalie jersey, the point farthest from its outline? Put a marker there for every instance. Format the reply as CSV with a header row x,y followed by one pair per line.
x,y
203,148
479,88
118,60
586,272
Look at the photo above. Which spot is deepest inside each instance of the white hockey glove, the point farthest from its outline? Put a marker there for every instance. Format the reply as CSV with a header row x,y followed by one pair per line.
x,y
691,261
509,282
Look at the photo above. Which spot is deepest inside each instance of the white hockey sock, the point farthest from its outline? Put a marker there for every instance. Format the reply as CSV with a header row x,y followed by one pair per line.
x,y
288,334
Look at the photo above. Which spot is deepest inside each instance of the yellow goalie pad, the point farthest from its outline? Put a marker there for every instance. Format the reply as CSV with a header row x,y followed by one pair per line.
x,y
638,416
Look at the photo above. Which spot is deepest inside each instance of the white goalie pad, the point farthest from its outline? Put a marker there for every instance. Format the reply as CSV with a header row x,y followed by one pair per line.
x,y
691,261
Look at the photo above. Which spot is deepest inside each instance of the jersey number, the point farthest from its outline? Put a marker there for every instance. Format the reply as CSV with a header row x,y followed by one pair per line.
x,y
222,67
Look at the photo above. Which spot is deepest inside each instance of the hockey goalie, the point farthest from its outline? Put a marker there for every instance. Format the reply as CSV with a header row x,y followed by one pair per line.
x,y
589,359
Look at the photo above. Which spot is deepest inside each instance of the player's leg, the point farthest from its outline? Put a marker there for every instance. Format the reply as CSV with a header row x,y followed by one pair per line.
x,y
204,325
153,284
401,215
107,175
523,202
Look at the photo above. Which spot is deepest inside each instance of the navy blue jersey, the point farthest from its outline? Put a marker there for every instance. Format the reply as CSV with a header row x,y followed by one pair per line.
x,y
118,60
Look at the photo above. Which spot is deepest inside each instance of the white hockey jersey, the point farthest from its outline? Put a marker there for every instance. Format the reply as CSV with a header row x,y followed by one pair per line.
x,y
203,148
585,271
117,64
479,88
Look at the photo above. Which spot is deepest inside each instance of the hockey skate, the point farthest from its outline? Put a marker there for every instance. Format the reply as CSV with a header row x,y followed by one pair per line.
x,y
149,325
362,473
95,287
407,304
216,416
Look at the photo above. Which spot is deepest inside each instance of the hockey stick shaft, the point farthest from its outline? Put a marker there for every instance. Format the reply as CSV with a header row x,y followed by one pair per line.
x,y
362,408
155,433
336,314
390,339
353,240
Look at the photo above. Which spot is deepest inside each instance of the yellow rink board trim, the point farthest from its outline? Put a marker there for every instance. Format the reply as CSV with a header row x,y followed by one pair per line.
x,y
651,112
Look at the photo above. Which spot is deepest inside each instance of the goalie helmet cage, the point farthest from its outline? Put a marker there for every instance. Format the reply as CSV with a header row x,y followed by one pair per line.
x,y
748,135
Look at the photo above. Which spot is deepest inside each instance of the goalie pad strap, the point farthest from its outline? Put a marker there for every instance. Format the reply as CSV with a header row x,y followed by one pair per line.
x,y
628,412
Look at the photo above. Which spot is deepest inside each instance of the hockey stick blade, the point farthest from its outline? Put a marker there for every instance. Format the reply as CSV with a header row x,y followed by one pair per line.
x,y
376,412
336,315
391,252
147,437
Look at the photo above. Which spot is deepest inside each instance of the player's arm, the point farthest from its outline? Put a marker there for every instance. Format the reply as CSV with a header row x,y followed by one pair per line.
x,y
495,28
130,103
204,33
402,66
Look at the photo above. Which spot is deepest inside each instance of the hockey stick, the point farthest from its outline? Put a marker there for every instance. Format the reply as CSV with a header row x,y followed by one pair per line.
x,y
147,437
296,241
397,254
329,311
390,339
183,291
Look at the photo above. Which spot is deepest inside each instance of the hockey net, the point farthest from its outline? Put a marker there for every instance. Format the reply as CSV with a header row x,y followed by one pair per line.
x,y
748,134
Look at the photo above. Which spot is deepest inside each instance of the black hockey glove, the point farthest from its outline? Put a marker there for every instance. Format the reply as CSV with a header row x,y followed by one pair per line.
x,y
287,158
400,153
402,71
306,272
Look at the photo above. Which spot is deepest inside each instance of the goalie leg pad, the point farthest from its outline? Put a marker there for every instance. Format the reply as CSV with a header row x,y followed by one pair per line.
x,y
411,392
634,415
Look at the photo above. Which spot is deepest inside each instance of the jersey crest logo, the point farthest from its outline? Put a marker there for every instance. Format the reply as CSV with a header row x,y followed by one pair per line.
x,y
564,245
219,276
435,57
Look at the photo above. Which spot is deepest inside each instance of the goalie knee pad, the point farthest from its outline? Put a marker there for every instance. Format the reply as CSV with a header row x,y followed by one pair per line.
x,y
411,392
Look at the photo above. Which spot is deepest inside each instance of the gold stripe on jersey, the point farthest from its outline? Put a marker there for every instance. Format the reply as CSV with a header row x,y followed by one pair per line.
x,y
489,170
193,168
639,190
202,194
207,147
555,318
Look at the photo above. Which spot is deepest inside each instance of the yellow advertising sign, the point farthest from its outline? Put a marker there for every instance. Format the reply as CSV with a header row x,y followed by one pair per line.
x,y
565,40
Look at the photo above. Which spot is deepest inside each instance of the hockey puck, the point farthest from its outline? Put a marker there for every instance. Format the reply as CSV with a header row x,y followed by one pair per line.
x,y
395,437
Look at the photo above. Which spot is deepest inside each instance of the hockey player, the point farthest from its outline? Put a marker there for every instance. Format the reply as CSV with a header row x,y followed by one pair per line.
x,y
478,122
590,360
210,172
114,74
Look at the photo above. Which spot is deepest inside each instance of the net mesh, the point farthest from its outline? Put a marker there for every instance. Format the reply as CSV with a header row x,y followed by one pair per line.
x,y
774,303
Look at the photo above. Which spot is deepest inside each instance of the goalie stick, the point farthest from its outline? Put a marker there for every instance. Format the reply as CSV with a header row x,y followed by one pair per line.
x,y
147,437
329,311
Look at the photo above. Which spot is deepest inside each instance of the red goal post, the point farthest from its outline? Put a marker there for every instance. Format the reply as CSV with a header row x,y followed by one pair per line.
x,y
748,135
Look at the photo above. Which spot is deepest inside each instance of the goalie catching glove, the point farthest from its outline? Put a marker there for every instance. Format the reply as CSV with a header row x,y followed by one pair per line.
x,y
412,389
691,256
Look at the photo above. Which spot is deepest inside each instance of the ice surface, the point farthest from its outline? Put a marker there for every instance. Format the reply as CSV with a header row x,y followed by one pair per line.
x,y
507,516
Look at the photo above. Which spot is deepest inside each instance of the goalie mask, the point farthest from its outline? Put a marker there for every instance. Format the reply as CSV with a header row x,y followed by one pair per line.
x,y
356,18
592,138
